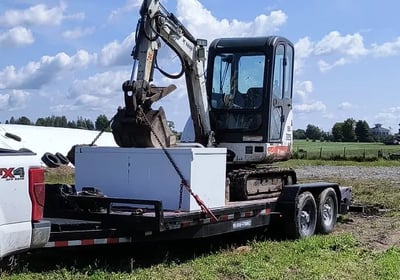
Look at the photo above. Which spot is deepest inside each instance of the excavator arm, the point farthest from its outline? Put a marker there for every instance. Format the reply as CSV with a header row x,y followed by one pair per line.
x,y
137,124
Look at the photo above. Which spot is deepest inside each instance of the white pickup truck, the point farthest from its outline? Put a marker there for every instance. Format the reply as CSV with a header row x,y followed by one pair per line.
x,y
22,191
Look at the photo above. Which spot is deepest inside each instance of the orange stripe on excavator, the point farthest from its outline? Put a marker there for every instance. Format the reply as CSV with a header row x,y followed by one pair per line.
x,y
278,152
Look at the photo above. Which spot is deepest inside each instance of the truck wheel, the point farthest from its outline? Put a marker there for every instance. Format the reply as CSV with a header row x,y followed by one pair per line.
x,y
8,264
327,204
63,159
51,160
305,219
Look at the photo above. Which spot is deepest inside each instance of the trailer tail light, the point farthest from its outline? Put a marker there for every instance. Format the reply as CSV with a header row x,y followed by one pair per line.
x,y
37,192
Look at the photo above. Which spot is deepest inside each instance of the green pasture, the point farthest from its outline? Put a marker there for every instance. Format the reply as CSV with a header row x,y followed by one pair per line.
x,y
342,150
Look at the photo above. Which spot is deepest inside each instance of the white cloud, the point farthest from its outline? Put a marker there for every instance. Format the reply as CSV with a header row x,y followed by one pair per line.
x,y
201,23
303,49
129,6
303,88
105,84
116,53
317,106
334,42
36,74
99,93
386,49
394,109
14,100
335,50
78,33
16,36
345,106
389,117
325,66
35,15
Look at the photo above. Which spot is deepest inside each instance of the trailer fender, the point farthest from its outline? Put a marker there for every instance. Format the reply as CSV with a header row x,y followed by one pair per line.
x,y
289,196
290,192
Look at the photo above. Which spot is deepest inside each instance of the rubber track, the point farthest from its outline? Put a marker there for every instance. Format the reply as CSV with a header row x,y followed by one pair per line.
x,y
238,180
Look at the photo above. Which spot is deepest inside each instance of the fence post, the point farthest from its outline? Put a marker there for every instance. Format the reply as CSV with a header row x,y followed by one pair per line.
x,y
344,152
320,153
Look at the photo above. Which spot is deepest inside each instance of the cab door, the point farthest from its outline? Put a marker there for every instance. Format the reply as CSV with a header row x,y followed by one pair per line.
x,y
281,88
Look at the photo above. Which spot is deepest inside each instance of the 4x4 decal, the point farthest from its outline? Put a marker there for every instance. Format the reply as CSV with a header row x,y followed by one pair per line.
x,y
12,173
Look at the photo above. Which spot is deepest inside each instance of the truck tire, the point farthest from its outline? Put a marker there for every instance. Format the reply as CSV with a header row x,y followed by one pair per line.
x,y
8,264
305,217
63,159
327,207
51,160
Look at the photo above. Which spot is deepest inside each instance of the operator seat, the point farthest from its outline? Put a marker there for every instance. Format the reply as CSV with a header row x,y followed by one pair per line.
x,y
254,97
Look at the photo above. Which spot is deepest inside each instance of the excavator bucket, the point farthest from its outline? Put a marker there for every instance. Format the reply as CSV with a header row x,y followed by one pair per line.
x,y
142,130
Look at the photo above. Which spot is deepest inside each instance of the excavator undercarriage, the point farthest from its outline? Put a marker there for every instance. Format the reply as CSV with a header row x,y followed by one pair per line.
x,y
256,182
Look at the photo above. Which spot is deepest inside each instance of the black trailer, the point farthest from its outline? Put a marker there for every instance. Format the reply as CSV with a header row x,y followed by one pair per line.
x,y
89,218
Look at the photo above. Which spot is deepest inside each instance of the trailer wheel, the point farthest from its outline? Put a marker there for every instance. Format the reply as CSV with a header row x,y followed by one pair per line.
x,y
51,160
305,219
63,159
327,204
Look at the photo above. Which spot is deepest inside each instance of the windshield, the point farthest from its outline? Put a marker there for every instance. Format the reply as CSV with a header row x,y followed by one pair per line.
x,y
237,90
238,81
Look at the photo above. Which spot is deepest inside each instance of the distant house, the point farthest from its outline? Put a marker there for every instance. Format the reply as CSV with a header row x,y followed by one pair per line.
x,y
379,131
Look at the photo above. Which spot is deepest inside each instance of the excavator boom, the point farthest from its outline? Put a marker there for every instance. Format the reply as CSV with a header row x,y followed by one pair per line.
x,y
137,124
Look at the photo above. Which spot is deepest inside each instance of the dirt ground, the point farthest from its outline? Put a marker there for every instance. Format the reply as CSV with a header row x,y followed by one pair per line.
x,y
377,231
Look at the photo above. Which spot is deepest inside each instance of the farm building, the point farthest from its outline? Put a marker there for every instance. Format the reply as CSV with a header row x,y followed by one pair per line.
x,y
379,131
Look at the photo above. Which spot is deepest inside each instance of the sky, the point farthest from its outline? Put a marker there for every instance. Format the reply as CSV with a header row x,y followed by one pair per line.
x,y
70,58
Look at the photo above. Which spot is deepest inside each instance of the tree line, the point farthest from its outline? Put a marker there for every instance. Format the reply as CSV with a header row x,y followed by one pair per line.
x,y
347,131
102,122
61,121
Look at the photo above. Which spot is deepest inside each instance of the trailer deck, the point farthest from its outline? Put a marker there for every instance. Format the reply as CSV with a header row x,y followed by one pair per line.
x,y
88,220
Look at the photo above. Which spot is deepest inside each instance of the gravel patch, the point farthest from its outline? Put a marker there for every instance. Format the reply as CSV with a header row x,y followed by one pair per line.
x,y
348,172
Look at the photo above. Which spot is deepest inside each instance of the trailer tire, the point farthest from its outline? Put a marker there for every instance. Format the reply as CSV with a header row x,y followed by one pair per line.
x,y
63,159
51,160
327,204
305,217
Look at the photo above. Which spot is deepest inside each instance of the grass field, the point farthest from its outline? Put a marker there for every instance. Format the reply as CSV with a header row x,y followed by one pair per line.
x,y
342,150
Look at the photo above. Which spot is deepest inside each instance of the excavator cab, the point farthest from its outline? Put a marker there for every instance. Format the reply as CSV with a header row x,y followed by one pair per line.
x,y
249,87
